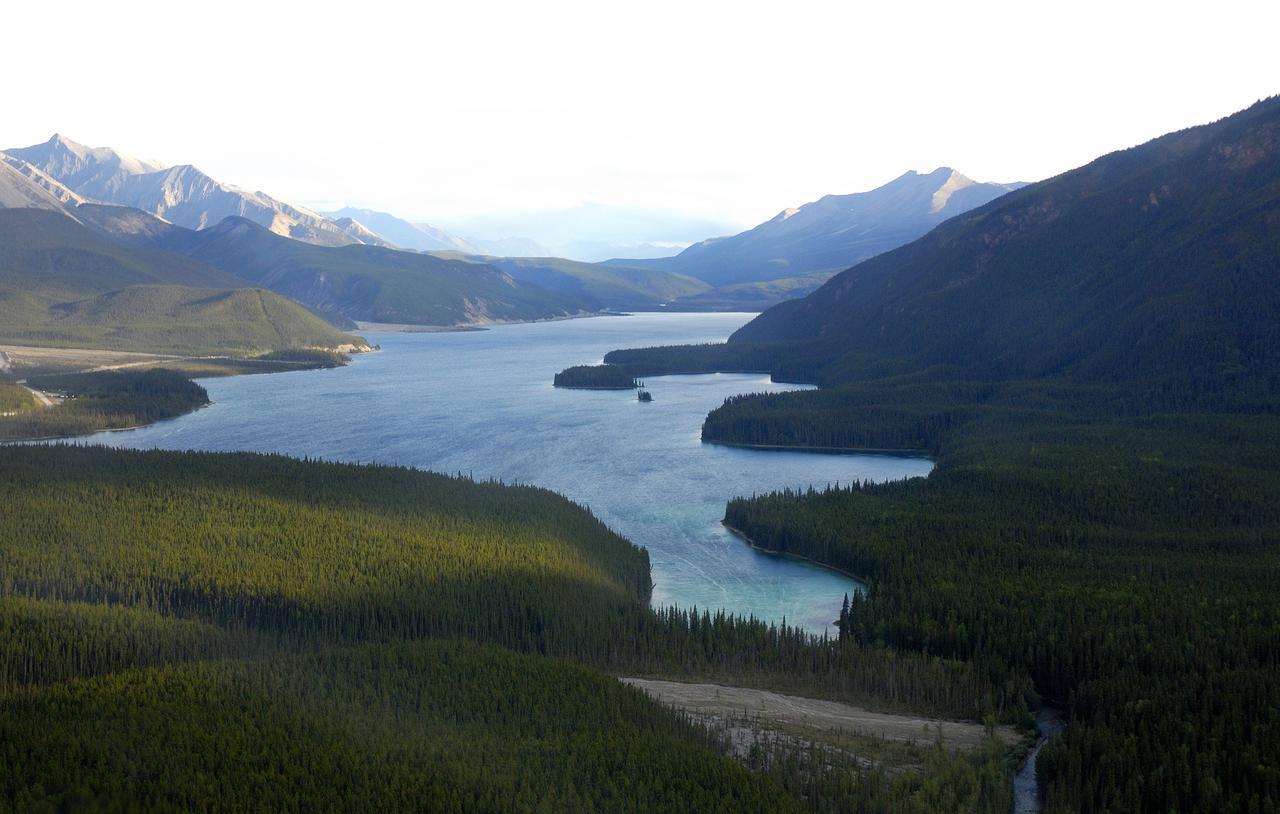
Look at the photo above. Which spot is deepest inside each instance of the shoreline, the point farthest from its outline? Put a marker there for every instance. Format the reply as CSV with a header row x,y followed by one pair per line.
x,y
46,438
742,535
891,453
575,387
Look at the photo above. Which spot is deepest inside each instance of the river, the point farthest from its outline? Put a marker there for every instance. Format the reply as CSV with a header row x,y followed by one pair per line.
x,y
481,403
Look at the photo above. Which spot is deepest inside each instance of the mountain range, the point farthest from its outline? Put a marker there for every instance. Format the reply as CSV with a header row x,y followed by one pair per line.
x,y
831,233
181,194
352,282
786,257
365,265
368,281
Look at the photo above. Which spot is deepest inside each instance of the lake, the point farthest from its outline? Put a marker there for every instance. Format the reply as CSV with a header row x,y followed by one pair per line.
x,y
480,403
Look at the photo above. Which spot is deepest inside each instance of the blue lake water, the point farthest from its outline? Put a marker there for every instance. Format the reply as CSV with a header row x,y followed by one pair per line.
x,y
481,403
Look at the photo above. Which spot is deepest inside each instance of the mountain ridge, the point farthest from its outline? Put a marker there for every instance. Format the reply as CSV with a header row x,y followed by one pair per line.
x,y
833,232
182,194
22,186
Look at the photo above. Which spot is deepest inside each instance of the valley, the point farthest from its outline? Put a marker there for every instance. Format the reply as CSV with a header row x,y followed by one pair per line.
x,y
679,409
644,472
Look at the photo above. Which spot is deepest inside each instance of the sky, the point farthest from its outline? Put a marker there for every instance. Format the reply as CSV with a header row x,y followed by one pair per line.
x,y
729,111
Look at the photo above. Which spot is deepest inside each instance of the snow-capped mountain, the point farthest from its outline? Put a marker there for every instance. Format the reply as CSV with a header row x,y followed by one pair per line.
x,y
22,186
181,194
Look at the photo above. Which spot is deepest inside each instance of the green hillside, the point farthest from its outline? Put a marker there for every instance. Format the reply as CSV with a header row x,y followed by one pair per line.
x,y
183,631
369,283
1095,362
174,319
62,284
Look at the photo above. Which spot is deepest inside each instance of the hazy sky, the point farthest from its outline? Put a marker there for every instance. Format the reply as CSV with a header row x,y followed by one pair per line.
x,y
731,110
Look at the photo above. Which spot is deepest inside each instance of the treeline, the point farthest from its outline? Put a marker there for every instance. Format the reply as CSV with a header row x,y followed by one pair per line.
x,y
274,612
91,402
931,410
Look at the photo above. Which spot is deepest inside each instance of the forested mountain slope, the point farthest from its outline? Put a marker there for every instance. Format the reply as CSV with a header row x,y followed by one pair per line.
x,y
1157,262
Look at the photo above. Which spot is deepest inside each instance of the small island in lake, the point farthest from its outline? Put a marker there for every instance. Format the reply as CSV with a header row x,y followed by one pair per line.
x,y
596,377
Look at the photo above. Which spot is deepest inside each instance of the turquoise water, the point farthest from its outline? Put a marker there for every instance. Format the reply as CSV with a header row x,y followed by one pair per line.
x,y
481,403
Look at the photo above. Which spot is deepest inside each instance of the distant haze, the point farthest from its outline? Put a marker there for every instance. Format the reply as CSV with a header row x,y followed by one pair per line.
x,y
594,232
722,111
